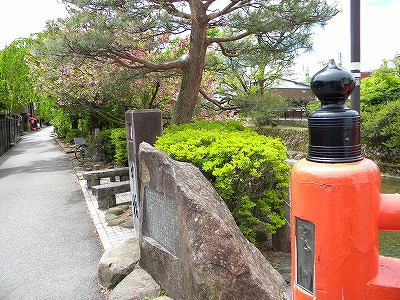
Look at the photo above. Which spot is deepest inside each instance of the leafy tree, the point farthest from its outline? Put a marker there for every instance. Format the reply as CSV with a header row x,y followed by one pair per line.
x,y
396,62
130,32
16,89
263,109
380,106
382,86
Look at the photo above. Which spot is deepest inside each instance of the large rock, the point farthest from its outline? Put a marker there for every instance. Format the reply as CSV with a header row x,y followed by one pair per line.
x,y
136,286
117,263
207,257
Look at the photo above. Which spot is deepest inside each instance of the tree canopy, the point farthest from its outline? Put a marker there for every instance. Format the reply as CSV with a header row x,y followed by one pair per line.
x,y
137,36
98,89
16,89
382,86
380,106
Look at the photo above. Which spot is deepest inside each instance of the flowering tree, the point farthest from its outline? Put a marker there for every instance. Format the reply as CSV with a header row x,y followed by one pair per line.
x,y
99,88
133,34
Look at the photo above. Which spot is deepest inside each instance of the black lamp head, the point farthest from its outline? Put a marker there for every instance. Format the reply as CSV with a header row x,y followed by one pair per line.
x,y
332,84
334,129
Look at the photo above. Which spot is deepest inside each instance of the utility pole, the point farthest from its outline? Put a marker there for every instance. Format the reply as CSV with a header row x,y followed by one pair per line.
x,y
355,51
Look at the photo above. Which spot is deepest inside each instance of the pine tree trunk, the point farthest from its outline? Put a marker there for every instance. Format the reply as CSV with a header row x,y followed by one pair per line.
x,y
192,71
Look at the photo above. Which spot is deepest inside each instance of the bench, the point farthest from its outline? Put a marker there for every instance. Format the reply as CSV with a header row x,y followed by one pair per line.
x,y
93,177
105,193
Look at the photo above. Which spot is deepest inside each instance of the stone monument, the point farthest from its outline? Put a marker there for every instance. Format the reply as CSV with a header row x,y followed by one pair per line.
x,y
190,243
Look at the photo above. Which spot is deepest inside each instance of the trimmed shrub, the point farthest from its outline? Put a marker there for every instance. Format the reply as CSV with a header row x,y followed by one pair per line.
x,y
247,169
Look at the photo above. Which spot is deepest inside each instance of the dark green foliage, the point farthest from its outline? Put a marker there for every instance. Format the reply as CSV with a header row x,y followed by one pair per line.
x,y
118,138
109,146
96,148
380,107
298,102
247,169
381,87
73,133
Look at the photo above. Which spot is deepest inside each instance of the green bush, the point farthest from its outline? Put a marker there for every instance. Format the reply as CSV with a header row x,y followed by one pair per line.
x,y
262,109
118,138
247,169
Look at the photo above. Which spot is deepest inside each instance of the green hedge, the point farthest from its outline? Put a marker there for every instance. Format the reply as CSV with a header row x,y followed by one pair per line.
x,y
247,169
109,146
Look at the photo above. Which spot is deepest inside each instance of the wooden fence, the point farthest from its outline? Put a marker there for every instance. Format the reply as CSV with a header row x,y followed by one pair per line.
x,y
10,131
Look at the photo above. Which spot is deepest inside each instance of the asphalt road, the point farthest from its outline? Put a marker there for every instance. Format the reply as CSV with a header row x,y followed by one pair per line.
x,y
47,247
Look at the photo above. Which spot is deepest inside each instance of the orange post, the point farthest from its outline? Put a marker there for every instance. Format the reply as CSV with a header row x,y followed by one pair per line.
x,y
337,208
342,202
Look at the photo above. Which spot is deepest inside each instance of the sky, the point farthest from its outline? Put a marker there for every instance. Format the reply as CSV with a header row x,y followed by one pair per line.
x,y
379,35
20,18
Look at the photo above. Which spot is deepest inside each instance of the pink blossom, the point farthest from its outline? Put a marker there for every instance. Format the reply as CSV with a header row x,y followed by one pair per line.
x,y
183,42
231,114
81,30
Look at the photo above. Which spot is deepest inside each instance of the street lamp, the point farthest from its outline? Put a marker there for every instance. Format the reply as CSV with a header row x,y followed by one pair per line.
x,y
355,52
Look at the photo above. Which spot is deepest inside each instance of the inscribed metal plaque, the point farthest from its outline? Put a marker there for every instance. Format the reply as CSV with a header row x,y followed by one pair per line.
x,y
134,193
305,249
160,219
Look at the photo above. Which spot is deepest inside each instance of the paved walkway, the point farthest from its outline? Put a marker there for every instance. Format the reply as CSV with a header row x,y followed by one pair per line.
x,y
48,250
48,229
108,237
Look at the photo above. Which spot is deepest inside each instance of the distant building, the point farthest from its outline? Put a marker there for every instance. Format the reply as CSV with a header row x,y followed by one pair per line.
x,y
291,89
365,74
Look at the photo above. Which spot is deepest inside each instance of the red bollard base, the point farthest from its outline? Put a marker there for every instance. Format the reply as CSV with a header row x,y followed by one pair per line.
x,y
337,213
386,285
335,234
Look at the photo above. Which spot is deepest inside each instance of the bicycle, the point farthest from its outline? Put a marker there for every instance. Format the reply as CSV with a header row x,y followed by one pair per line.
x,y
81,149
90,151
